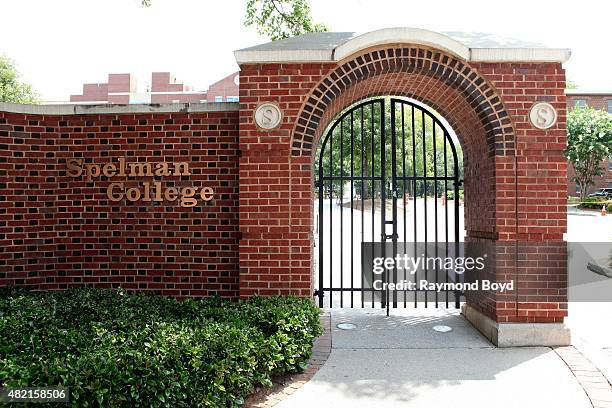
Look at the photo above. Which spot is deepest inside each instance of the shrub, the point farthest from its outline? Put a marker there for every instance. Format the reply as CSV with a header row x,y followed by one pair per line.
x,y
450,194
116,349
596,203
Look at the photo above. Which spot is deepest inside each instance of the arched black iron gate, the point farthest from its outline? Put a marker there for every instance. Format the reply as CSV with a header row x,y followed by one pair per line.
x,y
387,171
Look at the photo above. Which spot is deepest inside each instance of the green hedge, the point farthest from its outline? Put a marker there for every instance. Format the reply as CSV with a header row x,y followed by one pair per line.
x,y
596,203
450,194
116,349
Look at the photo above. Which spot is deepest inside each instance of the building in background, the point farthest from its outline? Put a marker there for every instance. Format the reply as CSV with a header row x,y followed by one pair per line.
x,y
598,99
123,89
165,89
225,90
580,98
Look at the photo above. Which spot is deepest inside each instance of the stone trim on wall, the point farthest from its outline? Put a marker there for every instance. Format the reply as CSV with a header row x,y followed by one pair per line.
x,y
92,109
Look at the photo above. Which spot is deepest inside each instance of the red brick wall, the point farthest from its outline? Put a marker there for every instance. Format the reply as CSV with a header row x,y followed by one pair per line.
x,y
58,232
541,212
275,187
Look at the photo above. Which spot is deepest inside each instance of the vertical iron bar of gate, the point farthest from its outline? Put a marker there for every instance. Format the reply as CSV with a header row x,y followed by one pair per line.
x,y
383,203
414,193
456,183
424,139
446,206
352,182
341,212
320,220
362,207
435,166
394,196
404,203
373,187
331,207
456,194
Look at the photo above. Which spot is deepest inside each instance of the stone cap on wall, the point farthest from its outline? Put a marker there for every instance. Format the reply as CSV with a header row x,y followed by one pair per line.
x,y
581,91
334,47
86,109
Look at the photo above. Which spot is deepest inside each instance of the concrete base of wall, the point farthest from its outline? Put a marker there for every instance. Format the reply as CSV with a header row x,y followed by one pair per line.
x,y
518,334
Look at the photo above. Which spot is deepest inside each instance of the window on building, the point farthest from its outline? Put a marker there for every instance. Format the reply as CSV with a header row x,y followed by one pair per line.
x,y
218,99
580,103
232,99
610,164
609,105
577,188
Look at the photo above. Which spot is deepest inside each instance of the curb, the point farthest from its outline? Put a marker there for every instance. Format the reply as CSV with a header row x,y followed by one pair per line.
x,y
287,384
593,382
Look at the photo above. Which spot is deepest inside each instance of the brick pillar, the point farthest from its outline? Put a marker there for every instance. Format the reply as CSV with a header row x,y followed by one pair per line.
x,y
275,186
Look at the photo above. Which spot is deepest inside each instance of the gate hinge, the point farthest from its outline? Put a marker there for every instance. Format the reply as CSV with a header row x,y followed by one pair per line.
x,y
318,293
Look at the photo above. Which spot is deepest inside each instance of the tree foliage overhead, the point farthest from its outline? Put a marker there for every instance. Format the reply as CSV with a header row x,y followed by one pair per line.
x,y
360,156
589,142
11,87
279,19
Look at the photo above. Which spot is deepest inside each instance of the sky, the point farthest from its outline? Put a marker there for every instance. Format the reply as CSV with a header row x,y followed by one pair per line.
x,y
60,44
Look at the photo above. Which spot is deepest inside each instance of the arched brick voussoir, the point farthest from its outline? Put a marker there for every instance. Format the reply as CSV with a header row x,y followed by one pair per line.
x,y
449,73
426,89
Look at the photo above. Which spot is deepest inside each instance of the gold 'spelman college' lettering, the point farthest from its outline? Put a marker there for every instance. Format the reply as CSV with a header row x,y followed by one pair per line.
x,y
148,191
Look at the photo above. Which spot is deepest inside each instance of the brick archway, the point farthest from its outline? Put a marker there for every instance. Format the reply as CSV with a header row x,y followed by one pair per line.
x,y
463,97
454,89
423,74
512,170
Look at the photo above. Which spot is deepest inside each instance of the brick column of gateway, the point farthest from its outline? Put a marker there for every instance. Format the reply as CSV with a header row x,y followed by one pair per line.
x,y
74,212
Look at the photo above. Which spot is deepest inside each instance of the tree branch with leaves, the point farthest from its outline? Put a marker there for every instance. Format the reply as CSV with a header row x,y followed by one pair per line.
x,y
589,142
12,89
279,19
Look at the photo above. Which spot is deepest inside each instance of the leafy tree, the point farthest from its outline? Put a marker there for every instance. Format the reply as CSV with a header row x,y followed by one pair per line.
x,y
11,88
278,19
589,142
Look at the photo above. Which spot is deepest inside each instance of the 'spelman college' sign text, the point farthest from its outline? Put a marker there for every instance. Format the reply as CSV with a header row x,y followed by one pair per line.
x,y
116,191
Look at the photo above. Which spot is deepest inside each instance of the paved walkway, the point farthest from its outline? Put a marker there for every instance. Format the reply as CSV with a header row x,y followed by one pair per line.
x,y
591,325
399,361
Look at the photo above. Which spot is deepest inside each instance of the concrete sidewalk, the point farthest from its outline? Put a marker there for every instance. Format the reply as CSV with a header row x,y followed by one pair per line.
x,y
592,333
400,361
